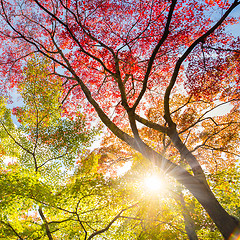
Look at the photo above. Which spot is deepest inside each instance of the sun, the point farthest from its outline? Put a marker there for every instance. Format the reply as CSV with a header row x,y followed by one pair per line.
x,y
153,183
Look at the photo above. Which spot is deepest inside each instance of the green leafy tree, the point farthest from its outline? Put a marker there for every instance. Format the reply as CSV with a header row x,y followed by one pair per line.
x,y
44,193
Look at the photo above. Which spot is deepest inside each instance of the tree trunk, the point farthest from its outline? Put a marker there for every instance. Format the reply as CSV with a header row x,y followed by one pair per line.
x,y
225,222
199,188
197,184
201,191
188,222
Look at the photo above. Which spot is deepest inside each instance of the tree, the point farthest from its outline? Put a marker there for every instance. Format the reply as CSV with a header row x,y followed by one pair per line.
x,y
113,153
120,59
44,193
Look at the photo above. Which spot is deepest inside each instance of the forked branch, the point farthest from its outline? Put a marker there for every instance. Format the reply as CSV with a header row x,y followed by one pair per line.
x,y
167,115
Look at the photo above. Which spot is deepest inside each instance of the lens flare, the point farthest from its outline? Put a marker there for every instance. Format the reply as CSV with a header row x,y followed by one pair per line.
x,y
235,235
153,183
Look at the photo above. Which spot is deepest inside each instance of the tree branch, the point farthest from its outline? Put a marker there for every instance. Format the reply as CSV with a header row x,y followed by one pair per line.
x,y
10,135
208,111
154,53
45,223
151,124
10,226
69,91
110,224
80,222
183,58
73,37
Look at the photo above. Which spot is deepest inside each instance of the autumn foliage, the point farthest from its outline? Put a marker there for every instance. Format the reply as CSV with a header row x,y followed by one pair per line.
x,y
151,71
